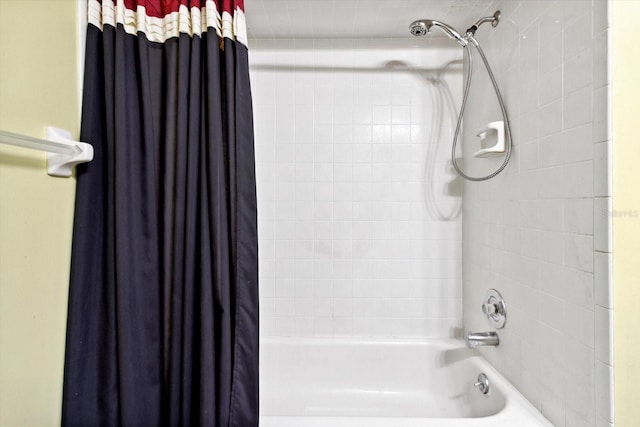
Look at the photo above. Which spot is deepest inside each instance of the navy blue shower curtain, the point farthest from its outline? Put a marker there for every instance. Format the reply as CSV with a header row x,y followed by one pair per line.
x,y
163,308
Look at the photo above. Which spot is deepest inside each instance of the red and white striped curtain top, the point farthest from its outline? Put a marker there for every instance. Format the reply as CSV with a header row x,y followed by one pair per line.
x,y
160,20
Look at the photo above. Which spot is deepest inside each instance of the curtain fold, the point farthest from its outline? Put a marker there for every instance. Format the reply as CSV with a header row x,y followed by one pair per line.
x,y
163,306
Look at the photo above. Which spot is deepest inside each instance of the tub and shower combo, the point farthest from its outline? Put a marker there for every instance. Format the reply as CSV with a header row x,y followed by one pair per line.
x,y
402,382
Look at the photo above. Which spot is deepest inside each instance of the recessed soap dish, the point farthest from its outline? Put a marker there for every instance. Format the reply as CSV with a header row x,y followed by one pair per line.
x,y
492,142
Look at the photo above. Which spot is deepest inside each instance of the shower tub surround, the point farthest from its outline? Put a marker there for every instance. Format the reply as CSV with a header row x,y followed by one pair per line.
x,y
359,256
352,241
352,252
330,382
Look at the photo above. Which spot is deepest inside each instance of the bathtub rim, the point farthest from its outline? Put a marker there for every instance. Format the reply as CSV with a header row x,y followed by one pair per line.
x,y
515,403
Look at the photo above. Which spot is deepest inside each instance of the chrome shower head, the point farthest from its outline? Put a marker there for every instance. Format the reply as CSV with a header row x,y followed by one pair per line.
x,y
422,27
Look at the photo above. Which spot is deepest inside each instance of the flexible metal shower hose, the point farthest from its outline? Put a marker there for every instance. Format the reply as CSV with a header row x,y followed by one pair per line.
x,y
462,108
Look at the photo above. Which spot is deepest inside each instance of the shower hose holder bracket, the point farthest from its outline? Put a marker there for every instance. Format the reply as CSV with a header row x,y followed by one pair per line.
x,y
492,140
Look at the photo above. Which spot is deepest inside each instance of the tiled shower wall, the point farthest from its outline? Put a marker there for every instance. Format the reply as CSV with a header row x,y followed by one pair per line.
x,y
540,232
359,213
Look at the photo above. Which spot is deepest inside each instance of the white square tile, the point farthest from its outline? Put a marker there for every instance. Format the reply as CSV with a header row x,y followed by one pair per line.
x,y
284,229
529,156
578,252
284,249
553,408
342,210
343,288
304,191
529,12
551,39
577,145
604,392
401,115
323,191
342,307
402,95
362,134
578,287
551,85
267,287
342,271
343,326
303,269
284,269
284,210
285,153
604,335
362,112
601,114
578,179
303,289
552,279
602,170
382,115
323,210
362,210
578,70
284,308
550,247
578,364
576,18
578,216
323,326
303,326
601,18
580,410
579,324
602,224
551,16
551,150
603,279
303,307
400,133
552,311
578,107
601,64
284,326
551,215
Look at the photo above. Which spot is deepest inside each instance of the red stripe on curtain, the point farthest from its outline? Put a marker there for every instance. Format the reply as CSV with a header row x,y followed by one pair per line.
x,y
162,8
231,5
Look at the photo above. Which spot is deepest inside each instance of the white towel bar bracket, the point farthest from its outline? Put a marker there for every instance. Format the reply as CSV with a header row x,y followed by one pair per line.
x,y
62,164
63,153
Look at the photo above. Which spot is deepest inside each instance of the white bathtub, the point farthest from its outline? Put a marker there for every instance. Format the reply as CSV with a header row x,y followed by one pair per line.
x,y
366,383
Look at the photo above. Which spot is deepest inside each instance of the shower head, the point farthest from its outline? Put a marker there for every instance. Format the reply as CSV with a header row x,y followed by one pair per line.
x,y
422,27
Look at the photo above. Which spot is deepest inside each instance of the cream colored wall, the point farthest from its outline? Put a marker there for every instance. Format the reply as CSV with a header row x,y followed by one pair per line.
x,y
626,227
38,87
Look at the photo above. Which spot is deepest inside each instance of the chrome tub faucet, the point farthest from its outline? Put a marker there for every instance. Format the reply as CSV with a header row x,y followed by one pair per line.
x,y
475,339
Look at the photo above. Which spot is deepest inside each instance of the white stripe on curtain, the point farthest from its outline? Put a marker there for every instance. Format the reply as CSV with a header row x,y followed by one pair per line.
x,y
192,21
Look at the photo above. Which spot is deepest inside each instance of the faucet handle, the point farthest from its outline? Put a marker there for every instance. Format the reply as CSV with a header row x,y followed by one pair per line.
x,y
490,308
494,308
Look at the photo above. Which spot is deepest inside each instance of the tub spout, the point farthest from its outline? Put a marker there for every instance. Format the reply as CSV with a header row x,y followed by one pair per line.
x,y
475,339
